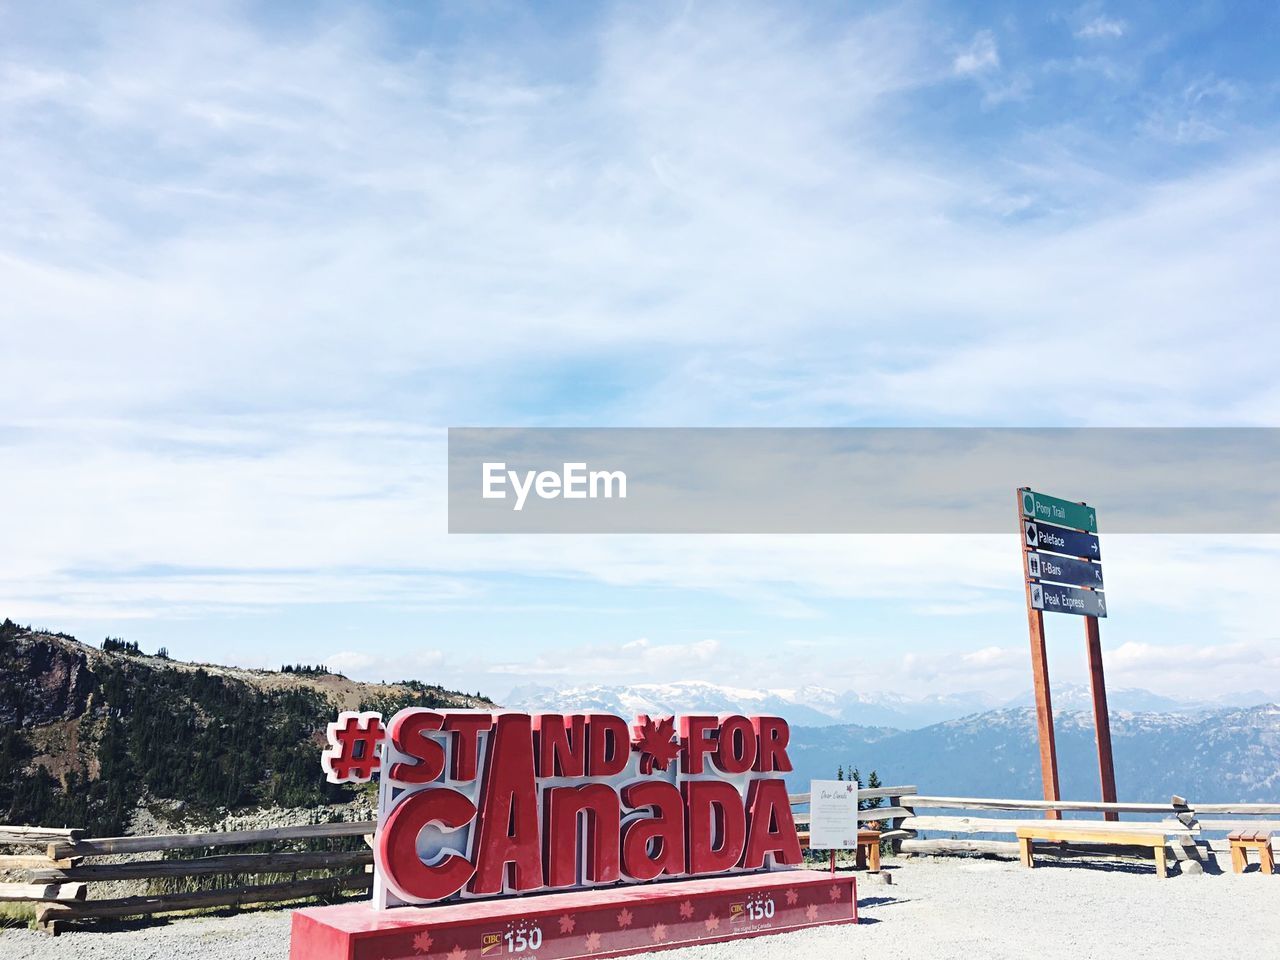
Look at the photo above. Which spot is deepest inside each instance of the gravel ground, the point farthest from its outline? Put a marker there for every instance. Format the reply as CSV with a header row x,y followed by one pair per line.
x,y
933,910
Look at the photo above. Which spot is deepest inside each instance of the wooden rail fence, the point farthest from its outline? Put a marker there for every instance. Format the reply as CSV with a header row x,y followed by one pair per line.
x,y
951,832
58,881
914,823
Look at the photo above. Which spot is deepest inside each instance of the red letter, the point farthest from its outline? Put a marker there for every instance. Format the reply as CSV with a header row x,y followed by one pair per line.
x,y
770,826
466,729
397,848
665,830
736,745
561,754
716,825
774,735
694,742
407,735
608,745
599,804
507,832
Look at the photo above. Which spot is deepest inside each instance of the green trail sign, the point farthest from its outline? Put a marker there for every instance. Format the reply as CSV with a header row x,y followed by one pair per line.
x,y
1064,513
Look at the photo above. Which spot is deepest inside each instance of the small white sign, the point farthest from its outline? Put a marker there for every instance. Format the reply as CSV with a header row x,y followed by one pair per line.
x,y
833,815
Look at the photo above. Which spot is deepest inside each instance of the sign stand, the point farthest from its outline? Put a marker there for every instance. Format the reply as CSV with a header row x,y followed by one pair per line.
x,y
1037,519
1101,716
1044,706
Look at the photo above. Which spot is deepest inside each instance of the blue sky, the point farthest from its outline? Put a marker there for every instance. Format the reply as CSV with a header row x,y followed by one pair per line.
x,y
256,260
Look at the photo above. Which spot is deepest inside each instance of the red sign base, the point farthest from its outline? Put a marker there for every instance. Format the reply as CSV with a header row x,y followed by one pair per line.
x,y
607,922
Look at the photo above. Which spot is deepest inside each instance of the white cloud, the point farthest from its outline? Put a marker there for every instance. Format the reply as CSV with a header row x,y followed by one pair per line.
x,y
403,665
981,55
1101,27
605,663
1201,670
249,279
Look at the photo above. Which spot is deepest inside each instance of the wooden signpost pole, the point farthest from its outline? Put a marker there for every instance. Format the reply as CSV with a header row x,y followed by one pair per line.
x,y
1101,717
1044,700
1061,559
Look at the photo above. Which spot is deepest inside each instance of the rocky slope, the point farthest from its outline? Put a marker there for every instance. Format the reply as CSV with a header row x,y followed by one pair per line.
x,y
88,737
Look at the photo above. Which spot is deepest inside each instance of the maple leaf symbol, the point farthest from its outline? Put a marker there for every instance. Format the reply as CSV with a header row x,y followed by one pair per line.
x,y
811,912
593,941
655,739
792,897
624,917
422,942
686,910
835,894
712,922
567,923
659,932
457,953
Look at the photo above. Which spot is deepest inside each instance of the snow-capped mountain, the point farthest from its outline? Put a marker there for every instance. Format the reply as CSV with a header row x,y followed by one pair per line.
x,y
960,746
816,706
1220,755
802,706
808,706
1077,696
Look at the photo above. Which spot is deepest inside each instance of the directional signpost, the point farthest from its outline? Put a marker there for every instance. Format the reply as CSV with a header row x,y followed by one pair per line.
x,y
1062,562
1076,573
1071,543
1060,599
1037,506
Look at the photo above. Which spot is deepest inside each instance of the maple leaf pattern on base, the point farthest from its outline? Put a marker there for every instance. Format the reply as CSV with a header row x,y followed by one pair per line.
x,y
593,942
835,894
811,912
567,923
422,942
457,953
792,897
624,918
712,922
659,932
655,739
686,910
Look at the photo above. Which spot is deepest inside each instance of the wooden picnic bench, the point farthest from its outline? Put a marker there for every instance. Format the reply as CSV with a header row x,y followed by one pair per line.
x,y
1242,841
1060,832
868,856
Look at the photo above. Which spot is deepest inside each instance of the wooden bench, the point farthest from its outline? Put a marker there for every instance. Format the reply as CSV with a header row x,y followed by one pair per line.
x,y
868,856
1059,832
1242,841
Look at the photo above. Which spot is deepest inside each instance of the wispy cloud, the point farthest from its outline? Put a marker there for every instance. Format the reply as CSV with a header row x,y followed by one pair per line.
x,y
979,56
1100,28
252,269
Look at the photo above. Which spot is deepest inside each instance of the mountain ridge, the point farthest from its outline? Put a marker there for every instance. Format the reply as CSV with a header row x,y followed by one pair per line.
x,y
89,737
820,706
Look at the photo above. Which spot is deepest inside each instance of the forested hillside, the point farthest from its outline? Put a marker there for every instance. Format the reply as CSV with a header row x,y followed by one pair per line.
x,y
86,735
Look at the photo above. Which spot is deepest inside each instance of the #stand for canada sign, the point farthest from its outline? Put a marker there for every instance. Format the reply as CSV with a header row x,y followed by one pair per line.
x,y
637,836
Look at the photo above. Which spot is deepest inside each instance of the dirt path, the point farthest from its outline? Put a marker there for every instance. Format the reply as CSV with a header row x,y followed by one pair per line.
x,y
933,910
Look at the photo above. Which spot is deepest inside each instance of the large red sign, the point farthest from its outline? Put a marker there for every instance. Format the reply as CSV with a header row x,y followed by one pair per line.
x,y
476,804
